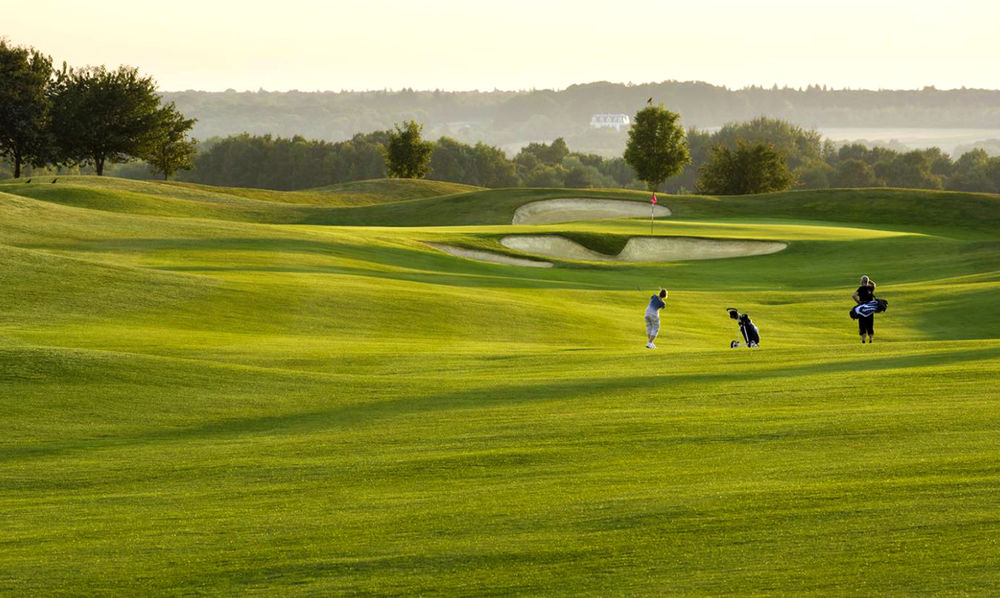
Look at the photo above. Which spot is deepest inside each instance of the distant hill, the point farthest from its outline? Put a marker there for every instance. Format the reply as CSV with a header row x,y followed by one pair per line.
x,y
508,117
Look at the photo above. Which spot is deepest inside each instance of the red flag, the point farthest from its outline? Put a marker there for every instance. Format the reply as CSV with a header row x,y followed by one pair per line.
x,y
654,198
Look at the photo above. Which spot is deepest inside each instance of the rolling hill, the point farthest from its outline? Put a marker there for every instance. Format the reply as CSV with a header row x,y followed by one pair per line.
x,y
217,391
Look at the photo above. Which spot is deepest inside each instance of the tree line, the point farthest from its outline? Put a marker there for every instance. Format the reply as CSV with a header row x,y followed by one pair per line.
x,y
815,163
796,156
289,163
85,116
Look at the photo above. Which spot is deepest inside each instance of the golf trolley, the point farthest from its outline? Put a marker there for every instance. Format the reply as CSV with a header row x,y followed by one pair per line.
x,y
751,336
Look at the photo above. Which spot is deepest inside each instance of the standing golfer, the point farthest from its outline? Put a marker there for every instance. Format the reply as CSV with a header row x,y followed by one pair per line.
x,y
864,294
656,303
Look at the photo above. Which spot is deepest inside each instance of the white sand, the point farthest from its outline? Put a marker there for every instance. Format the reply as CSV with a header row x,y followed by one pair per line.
x,y
643,249
489,256
666,249
552,246
569,210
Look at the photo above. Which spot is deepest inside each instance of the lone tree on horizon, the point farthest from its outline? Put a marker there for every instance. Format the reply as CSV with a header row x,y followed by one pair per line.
x,y
657,146
408,156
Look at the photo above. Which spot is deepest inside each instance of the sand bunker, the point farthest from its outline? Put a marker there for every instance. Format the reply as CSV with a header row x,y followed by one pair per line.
x,y
489,256
643,249
569,210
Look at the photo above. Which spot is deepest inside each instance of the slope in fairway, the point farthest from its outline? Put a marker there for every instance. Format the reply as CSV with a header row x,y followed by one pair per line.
x,y
220,395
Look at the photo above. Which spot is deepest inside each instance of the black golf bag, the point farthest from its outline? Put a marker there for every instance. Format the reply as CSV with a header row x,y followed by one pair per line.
x,y
748,330
863,310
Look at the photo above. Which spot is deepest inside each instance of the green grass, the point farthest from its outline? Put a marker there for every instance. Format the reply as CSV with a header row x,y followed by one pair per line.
x,y
389,202
381,191
221,393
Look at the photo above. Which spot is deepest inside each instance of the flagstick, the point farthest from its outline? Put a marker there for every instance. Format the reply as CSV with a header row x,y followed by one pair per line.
x,y
652,207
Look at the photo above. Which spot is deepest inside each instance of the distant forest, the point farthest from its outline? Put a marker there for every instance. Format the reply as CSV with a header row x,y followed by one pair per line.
x,y
269,162
510,119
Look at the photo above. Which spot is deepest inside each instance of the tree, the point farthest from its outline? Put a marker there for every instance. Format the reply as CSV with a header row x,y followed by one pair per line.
x,y
24,105
549,155
993,172
798,146
972,172
362,157
100,115
525,163
171,150
941,164
540,165
407,156
619,170
546,176
749,168
853,151
582,177
482,165
814,174
854,173
491,168
656,148
450,160
911,170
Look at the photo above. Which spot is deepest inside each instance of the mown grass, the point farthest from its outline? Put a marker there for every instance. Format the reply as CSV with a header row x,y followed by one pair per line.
x,y
203,405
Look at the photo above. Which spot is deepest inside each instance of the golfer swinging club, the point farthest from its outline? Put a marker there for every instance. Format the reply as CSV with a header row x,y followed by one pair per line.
x,y
656,303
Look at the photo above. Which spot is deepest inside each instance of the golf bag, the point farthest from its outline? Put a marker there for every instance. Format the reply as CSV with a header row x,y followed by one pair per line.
x,y
748,330
863,310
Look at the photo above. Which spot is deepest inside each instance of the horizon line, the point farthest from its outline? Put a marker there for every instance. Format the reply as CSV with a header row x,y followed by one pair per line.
x,y
772,87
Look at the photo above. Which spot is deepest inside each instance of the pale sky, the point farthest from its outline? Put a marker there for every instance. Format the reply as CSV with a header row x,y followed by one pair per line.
x,y
336,45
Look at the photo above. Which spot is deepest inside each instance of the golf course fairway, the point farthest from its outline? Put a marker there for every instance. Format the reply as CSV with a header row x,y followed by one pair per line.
x,y
213,391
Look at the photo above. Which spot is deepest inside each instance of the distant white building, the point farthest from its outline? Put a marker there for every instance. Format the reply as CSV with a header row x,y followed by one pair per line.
x,y
610,121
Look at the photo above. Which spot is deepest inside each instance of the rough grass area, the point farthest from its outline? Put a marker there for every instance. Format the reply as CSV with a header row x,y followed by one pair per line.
x,y
201,395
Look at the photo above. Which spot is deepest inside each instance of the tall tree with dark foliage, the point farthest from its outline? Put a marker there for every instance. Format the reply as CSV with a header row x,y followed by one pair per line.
x,y
24,105
102,116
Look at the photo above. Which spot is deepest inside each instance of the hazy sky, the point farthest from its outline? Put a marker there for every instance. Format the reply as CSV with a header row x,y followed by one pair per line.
x,y
518,44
